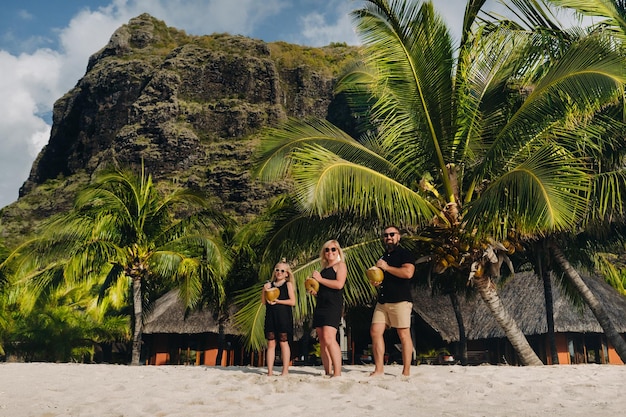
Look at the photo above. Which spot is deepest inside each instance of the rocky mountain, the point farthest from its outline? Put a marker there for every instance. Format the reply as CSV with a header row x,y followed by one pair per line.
x,y
190,106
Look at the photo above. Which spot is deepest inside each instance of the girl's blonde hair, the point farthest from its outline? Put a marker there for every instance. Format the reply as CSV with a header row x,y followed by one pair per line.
x,y
328,244
283,265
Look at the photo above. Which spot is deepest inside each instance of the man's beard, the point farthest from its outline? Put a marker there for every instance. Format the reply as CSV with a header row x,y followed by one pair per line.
x,y
391,246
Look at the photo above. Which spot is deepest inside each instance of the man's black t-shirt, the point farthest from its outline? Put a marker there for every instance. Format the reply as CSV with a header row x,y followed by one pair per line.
x,y
394,289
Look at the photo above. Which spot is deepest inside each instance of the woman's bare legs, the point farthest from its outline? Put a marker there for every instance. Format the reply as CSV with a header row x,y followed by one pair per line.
x,y
324,356
330,350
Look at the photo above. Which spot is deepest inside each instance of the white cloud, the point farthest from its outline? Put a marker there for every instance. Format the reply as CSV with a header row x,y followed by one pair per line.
x,y
317,31
87,33
25,15
28,87
202,17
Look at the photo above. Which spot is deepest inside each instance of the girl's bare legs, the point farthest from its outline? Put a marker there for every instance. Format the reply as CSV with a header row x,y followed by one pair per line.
x,y
285,354
270,356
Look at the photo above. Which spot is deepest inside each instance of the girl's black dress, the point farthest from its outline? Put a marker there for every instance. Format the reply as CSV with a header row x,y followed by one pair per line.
x,y
279,317
329,303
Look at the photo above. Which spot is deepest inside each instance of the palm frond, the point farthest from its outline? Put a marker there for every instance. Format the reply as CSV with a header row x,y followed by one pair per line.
x,y
250,317
274,162
188,282
609,194
547,192
587,77
614,12
326,184
485,72
114,289
410,46
472,9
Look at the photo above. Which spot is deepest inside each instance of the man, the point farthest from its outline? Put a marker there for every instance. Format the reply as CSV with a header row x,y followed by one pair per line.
x,y
395,304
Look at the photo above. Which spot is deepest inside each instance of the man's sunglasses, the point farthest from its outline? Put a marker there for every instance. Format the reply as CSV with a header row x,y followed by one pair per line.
x,y
392,234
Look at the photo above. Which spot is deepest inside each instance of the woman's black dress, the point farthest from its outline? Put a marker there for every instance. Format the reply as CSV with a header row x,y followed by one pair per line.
x,y
329,303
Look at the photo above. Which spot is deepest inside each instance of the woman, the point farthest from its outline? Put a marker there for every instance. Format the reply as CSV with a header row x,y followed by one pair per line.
x,y
279,316
328,310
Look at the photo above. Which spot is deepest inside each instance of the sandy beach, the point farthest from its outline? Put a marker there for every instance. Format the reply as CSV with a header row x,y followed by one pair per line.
x,y
55,390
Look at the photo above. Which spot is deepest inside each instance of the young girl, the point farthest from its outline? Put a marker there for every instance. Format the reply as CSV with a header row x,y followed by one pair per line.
x,y
279,316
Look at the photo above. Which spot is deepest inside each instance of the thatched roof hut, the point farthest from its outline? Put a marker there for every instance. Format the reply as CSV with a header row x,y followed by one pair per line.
x,y
523,297
579,337
170,316
174,335
437,312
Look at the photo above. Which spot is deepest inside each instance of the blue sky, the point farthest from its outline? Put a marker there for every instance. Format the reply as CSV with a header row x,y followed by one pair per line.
x,y
45,46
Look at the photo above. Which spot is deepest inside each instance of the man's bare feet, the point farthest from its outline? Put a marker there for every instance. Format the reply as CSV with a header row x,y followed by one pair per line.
x,y
377,373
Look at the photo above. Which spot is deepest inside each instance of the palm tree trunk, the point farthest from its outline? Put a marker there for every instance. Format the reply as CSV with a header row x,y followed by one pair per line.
x,y
547,293
543,269
488,293
138,321
594,305
221,338
456,306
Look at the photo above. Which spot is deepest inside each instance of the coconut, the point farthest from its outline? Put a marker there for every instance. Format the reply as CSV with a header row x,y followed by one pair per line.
x,y
375,274
272,294
311,284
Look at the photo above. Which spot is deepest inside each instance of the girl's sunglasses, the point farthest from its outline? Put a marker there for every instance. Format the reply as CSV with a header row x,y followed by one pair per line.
x,y
329,249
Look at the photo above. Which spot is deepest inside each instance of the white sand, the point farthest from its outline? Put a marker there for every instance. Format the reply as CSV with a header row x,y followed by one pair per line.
x,y
51,390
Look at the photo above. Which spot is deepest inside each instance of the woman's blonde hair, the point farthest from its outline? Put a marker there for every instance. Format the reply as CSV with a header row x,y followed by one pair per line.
x,y
328,244
283,265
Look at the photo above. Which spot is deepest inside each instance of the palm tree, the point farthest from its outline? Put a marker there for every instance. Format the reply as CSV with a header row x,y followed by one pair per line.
x,y
608,186
590,299
123,229
65,323
471,149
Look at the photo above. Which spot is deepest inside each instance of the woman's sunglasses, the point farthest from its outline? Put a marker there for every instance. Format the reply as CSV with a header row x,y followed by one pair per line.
x,y
280,270
329,249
